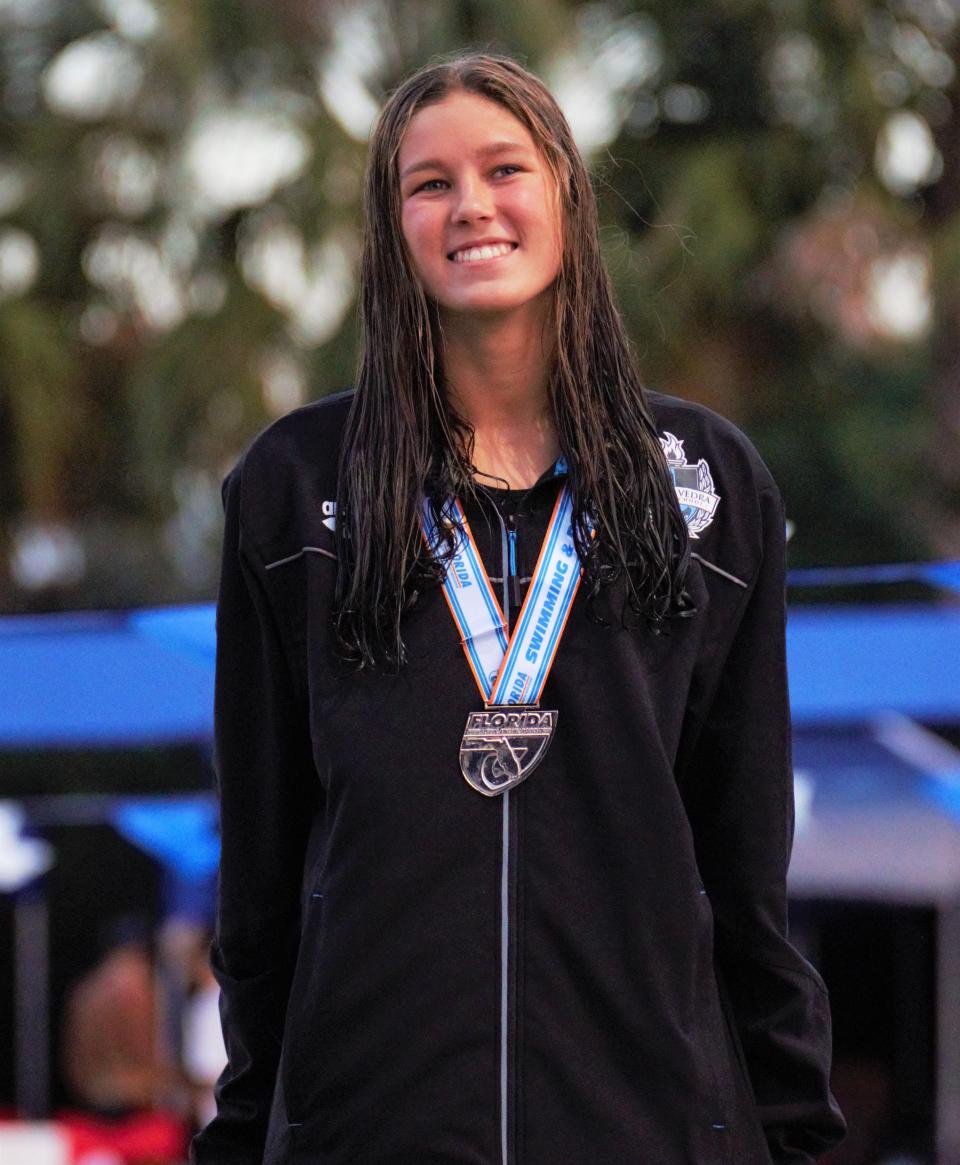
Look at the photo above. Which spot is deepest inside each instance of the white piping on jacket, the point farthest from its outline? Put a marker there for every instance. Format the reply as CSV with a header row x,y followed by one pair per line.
x,y
302,550
717,570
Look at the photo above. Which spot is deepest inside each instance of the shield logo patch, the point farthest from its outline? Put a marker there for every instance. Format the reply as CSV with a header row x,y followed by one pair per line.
x,y
694,485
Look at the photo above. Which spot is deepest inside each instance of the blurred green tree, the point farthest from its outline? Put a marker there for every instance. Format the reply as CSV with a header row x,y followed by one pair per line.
x,y
776,179
179,232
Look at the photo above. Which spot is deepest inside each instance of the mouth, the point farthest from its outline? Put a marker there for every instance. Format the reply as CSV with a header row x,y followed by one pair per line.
x,y
483,252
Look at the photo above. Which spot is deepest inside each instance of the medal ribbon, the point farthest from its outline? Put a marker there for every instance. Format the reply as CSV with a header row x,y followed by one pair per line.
x,y
514,671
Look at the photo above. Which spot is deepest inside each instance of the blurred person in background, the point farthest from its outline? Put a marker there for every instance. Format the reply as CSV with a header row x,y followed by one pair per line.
x,y
424,964
113,1055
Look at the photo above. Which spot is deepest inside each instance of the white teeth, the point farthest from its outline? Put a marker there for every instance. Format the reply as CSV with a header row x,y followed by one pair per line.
x,y
485,252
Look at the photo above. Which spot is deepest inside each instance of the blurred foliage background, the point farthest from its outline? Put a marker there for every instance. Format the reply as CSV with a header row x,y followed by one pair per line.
x,y
779,183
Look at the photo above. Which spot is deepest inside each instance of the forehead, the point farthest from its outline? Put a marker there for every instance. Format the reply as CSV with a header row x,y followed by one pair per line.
x,y
461,125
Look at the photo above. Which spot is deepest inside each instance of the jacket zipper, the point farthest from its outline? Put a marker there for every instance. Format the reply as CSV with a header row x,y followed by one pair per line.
x,y
508,542
509,1001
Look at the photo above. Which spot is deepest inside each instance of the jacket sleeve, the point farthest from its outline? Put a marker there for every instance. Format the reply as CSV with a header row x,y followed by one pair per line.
x,y
266,785
742,817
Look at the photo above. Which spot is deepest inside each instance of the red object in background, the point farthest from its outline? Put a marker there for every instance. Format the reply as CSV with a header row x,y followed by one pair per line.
x,y
152,1138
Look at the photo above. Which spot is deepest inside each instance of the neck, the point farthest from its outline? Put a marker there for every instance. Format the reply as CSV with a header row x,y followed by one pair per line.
x,y
497,378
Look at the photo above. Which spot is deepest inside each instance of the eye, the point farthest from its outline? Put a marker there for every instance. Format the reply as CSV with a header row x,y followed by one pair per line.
x,y
508,169
430,185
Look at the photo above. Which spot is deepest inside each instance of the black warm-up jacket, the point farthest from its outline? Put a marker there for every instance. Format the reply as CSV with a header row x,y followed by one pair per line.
x,y
592,969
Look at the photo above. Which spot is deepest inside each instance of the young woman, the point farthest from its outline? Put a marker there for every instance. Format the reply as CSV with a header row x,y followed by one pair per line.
x,y
502,736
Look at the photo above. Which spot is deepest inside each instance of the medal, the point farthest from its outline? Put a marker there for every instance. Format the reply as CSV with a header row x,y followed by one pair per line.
x,y
504,743
502,746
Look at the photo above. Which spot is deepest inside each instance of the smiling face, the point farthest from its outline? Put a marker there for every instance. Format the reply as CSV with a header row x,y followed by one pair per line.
x,y
480,212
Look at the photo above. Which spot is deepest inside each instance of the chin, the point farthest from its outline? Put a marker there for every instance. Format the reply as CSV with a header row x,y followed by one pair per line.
x,y
491,302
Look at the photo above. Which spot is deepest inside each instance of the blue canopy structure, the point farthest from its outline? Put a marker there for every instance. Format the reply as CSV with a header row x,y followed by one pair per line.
x,y
850,664
107,679
115,679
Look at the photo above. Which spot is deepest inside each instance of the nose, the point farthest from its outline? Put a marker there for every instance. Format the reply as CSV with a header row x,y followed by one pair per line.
x,y
474,201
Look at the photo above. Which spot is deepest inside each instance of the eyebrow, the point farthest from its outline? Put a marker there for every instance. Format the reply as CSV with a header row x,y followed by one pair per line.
x,y
483,152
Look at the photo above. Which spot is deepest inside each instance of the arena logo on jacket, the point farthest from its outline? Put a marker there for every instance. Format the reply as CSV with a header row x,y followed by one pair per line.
x,y
694,485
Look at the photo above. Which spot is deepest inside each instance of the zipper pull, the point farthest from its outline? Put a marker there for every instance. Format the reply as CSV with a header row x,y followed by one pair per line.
x,y
512,544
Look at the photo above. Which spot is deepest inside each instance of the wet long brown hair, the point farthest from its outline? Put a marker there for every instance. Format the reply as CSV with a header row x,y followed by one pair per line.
x,y
404,442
